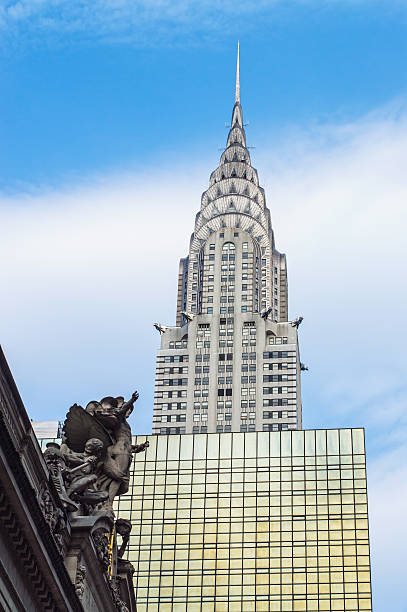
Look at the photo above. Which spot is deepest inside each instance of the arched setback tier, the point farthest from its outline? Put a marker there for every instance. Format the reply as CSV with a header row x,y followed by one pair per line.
x,y
224,367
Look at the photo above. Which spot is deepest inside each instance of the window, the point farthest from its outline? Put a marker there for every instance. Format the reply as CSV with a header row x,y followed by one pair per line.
x,y
245,245
209,310
211,247
228,246
244,308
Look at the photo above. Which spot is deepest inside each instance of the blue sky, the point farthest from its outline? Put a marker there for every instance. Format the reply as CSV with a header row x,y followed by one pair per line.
x,y
111,119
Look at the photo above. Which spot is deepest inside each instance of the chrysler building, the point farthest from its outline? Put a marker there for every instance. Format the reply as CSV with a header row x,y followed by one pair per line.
x,y
231,363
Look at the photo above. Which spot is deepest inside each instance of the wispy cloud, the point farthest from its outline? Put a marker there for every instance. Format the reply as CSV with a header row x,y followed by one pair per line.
x,y
90,267
127,19
146,21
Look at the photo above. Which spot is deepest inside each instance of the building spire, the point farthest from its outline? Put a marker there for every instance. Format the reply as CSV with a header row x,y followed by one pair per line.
x,y
237,97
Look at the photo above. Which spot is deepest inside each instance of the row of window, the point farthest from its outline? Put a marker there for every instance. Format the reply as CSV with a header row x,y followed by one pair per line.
x,y
278,390
170,418
279,366
179,344
229,368
277,414
277,427
172,430
183,370
174,382
171,406
229,309
282,401
274,377
173,359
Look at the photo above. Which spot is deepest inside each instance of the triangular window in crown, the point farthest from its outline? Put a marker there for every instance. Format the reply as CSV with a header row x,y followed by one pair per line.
x,y
215,211
223,176
219,192
232,188
247,210
232,207
244,174
246,190
234,173
235,157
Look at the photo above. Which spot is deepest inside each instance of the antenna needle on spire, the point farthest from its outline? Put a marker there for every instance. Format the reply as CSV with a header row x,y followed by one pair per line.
x,y
237,97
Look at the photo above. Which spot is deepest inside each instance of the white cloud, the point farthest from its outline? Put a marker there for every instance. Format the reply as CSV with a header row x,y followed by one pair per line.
x,y
147,22
91,267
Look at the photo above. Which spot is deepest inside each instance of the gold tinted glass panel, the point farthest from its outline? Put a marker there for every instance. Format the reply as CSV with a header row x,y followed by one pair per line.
x,y
247,522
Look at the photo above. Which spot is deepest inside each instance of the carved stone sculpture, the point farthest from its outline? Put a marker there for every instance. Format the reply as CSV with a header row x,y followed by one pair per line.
x,y
80,580
82,475
119,603
297,322
102,549
266,313
107,421
57,467
53,515
123,528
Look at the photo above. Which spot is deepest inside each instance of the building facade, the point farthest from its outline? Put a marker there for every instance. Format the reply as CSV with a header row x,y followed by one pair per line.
x,y
232,362
240,522
51,560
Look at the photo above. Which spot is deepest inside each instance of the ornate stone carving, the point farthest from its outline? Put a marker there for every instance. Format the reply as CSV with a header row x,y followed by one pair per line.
x,y
123,528
57,468
119,603
102,549
80,478
80,580
53,515
107,421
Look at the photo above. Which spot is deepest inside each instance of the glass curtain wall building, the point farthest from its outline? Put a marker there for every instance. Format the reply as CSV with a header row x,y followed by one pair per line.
x,y
231,363
246,522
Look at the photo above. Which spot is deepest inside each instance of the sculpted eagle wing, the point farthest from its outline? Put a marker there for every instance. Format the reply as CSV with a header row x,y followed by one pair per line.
x,y
80,426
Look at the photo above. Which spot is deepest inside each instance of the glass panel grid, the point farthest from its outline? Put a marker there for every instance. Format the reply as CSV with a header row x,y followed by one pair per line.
x,y
252,521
